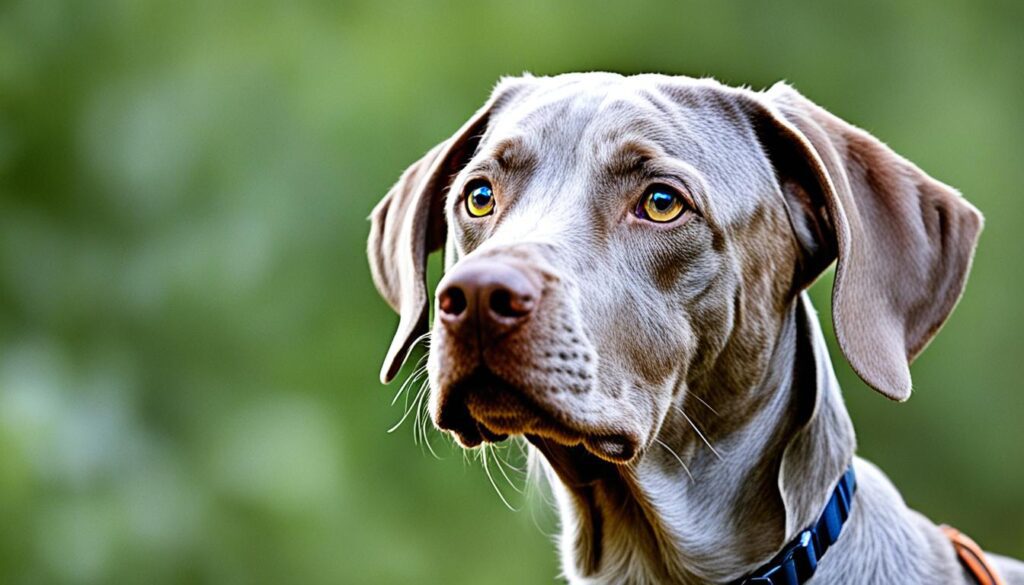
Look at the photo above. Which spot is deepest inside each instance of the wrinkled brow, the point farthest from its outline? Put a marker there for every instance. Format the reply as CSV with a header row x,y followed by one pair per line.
x,y
512,156
631,158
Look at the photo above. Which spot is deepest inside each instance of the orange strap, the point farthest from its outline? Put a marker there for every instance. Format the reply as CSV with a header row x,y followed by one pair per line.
x,y
972,557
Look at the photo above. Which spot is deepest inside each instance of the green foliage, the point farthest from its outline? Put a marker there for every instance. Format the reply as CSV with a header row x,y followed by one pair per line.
x,y
189,338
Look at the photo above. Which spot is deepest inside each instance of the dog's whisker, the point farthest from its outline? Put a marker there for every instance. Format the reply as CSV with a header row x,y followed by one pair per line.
x,y
704,402
508,479
417,404
416,373
534,469
430,447
536,483
416,420
501,467
425,338
418,428
508,450
523,446
403,389
699,434
400,421
494,484
424,428
678,458
408,411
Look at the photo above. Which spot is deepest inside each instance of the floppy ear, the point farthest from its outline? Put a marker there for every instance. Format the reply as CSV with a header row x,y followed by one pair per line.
x,y
409,224
903,240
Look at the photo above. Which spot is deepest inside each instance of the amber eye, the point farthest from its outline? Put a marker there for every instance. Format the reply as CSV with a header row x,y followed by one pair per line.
x,y
661,204
479,199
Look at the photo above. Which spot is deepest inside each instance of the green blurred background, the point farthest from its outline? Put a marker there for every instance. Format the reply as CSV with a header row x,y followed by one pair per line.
x,y
189,338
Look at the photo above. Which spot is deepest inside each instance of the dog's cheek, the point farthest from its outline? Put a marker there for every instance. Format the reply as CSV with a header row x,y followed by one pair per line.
x,y
665,347
680,264
660,276
640,338
713,317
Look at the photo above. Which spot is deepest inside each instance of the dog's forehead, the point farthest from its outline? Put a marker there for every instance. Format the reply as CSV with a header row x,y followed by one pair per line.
x,y
591,118
586,125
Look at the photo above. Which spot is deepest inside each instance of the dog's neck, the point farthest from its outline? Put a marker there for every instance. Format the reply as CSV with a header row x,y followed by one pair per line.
x,y
728,483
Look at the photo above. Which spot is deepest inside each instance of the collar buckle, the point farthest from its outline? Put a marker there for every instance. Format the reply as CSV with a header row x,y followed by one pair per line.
x,y
796,563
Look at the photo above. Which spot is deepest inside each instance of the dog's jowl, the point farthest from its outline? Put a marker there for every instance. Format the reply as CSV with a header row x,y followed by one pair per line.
x,y
626,260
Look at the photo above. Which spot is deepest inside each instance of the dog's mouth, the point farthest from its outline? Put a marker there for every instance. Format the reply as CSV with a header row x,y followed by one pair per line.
x,y
483,407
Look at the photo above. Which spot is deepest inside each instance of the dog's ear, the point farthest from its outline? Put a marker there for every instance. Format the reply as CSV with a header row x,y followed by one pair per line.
x,y
409,224
903,241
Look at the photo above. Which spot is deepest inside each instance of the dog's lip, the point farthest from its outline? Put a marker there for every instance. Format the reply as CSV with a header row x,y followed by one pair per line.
x,y
613,448
485,408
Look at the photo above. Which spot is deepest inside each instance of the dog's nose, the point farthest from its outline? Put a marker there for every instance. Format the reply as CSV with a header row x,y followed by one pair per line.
x,y
490,295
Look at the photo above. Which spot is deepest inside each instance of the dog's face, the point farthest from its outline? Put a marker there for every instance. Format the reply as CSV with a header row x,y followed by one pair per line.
x,y
635,223
613,244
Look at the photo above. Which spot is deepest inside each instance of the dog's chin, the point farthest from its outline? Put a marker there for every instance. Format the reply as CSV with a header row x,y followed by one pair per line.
x,y
485,408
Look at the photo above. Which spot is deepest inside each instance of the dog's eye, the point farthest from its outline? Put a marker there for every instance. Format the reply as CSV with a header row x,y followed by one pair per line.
x,y
661,204
479,199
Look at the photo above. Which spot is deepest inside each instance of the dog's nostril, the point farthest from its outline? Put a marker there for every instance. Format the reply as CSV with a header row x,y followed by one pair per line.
x,y
505,304
452,301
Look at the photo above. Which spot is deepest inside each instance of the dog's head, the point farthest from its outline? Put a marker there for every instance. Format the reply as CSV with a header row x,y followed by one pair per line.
x,y
614,243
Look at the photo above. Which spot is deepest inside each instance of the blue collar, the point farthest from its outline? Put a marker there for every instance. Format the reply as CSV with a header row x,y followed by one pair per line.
x,y
797,562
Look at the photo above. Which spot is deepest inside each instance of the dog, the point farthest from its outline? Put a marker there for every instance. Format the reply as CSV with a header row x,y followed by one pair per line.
x,y
627,256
